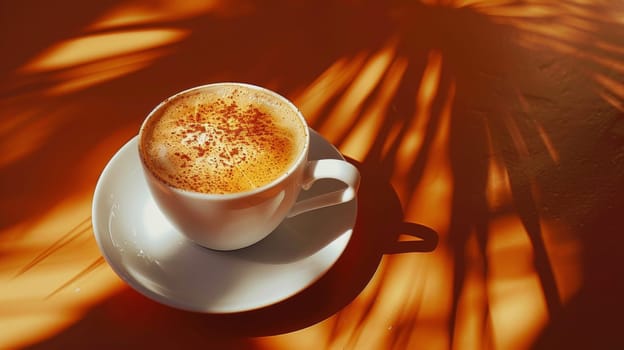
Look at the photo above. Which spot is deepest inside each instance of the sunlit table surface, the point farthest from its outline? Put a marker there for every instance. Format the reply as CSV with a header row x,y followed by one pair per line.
x,y
489,136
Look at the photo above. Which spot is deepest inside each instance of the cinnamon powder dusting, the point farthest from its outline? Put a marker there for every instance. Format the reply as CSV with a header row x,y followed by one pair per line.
x,y
221,142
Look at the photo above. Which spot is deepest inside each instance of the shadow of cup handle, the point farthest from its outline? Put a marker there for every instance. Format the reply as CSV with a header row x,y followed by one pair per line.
x,y
427,239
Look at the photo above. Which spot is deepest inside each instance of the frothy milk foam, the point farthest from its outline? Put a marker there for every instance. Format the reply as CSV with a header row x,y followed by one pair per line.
x,y
222,140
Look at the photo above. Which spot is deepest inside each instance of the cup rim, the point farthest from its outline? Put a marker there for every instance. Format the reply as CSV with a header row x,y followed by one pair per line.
x,y
236,195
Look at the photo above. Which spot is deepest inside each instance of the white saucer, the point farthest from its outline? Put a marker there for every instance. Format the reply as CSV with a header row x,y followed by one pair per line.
x,y
142,247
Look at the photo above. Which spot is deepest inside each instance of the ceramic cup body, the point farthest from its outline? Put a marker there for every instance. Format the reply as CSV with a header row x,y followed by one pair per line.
x,y
236,220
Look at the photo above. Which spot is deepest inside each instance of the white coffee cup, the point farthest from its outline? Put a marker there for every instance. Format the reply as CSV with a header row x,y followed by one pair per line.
x,y
236,220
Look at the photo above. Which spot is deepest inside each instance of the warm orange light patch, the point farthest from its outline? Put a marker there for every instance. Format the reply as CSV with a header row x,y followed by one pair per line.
x,y
46,297
416,126
518,312
349,107
84,76
516,298
430,201
613,101
364,134
408,280
140,11
329,84
477,4
498,190
95,47
550,147
515,293
613,86
522,10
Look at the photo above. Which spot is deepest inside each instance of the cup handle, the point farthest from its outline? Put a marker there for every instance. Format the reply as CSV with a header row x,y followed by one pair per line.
x,y
327,169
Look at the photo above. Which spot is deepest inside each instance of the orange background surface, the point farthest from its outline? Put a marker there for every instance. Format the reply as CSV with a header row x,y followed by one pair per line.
x,y
489,136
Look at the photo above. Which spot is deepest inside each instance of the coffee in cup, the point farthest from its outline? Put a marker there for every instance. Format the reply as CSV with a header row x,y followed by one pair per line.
x,y
221,141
